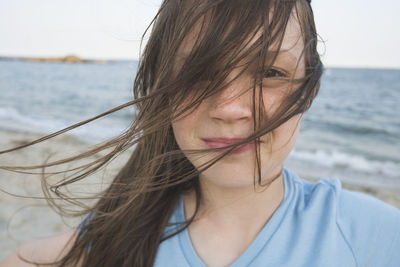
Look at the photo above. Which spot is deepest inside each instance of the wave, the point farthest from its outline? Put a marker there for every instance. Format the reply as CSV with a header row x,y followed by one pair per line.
x,y
13,119
341,160
351,126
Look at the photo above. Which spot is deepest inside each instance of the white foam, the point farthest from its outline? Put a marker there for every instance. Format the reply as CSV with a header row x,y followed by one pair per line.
x,y
341,160
96,131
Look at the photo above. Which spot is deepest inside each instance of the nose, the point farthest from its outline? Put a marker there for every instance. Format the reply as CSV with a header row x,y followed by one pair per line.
x,y
232,104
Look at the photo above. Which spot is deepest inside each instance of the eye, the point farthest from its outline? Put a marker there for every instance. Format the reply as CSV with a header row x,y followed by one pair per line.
x,y
274,73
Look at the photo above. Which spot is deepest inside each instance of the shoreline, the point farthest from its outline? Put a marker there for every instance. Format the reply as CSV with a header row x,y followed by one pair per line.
x,y
61,59
68,143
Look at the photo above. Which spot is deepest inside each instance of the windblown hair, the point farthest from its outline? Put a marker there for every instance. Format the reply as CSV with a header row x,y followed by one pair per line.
x,y
126,225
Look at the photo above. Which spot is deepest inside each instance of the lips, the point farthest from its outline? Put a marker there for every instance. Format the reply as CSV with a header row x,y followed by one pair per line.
x,y
222,142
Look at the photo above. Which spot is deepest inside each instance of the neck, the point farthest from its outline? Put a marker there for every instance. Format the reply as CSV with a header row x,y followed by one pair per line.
x,y
248,207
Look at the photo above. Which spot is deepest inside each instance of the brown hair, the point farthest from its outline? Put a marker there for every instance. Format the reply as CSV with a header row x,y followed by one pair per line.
x,y
126,225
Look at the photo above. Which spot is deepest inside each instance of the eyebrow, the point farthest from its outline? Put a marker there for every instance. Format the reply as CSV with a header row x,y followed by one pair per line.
x,y
282,56
285,56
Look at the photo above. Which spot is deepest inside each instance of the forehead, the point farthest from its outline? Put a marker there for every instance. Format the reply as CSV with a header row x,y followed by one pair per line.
x,y
285,52
291,47
292,44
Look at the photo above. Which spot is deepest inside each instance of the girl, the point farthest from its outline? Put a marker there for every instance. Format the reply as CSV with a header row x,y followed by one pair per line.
x,y
220,92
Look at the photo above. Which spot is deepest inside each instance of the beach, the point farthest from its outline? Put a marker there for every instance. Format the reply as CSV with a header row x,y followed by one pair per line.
x,y
24,218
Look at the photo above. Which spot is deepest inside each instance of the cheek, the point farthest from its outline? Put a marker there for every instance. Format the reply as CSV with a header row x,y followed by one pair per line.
x,y
273,98
184,129
181,136
284,137
278,145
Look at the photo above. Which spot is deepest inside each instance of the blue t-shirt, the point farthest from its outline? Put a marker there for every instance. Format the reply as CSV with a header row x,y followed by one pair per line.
x,y
315,225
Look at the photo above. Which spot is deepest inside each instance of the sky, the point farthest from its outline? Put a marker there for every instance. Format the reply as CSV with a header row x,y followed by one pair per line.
x,y
353,33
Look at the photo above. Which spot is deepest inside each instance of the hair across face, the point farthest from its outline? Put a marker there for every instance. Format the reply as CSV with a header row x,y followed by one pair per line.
x,y
227,117
208,41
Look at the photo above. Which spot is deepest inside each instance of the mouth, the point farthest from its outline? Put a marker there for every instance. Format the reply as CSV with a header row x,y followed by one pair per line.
x,y
223,142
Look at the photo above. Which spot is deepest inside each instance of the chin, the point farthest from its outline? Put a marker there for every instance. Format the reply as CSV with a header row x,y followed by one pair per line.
x,y
229,176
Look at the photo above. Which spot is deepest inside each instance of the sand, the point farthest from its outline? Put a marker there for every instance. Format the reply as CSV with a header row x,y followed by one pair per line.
x,y
25,218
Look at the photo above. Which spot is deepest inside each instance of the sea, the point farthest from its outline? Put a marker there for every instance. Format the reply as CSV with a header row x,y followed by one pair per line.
x,y
351,132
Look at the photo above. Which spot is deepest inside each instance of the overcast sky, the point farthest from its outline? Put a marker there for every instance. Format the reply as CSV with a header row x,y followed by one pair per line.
x,y
357,33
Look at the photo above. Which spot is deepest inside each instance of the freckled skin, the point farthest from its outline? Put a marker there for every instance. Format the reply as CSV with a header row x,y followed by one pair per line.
x,y
229,114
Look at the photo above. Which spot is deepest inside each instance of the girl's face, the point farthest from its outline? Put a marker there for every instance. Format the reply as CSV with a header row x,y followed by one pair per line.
x,y
227,117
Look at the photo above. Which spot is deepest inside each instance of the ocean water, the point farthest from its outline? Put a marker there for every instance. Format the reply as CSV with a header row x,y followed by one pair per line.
x,y
351,132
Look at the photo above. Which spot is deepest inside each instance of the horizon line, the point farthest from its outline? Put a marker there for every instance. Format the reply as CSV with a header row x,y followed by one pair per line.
x,y
328,66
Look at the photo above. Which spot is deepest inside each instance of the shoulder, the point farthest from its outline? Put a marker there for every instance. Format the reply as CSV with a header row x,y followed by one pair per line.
x,y
360,212
45,250
357,205
369,226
